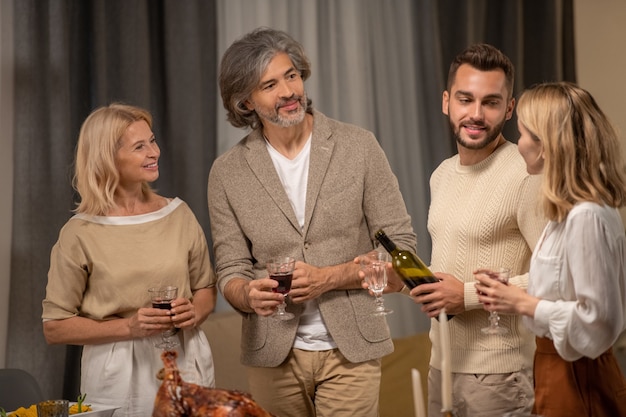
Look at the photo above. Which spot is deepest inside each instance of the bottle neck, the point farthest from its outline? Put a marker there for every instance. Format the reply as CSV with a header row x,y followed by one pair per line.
x,y
386,242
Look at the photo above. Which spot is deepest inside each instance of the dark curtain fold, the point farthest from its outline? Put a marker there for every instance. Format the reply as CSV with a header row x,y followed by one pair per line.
x,y
71,57
74,55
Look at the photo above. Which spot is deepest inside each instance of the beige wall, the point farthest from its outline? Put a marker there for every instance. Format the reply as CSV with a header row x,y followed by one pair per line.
x,y
600,59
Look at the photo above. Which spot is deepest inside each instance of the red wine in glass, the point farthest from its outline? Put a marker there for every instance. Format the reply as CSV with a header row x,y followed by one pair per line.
x,y
284,282
162,298
162,304
281,271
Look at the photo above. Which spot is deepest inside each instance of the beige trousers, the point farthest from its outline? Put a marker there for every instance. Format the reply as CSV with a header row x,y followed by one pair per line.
x,y
317,384
490,395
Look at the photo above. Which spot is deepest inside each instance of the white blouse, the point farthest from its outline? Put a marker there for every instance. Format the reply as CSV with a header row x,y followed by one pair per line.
x,y
578,270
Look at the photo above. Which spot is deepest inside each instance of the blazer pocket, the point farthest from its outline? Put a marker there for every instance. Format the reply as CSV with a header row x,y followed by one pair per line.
x,y
253,333
373,329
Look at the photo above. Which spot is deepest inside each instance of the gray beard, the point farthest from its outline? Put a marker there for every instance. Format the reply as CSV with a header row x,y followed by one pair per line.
x,y
277,119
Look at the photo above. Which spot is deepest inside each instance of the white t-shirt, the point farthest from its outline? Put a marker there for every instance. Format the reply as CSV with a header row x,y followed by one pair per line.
x,y
312,333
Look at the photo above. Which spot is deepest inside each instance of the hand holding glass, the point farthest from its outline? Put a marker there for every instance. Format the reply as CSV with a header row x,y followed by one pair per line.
x,y
281,270
162,298
374,267
502,275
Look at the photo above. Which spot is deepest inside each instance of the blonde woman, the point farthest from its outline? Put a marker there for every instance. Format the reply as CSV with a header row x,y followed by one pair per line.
x,y
123,240
576,297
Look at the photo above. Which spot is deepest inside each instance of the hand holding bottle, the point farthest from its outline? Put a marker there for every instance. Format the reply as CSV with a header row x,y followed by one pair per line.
x,y
409,267
448,293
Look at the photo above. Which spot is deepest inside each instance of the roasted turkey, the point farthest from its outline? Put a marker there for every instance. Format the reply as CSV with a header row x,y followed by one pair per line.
x,y
177,398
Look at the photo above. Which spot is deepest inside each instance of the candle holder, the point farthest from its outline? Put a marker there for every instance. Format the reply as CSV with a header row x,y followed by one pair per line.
x,y
448,413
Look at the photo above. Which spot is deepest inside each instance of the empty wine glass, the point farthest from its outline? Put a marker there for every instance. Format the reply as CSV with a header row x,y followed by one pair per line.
x,y
502,275
281,270
162,297
374,267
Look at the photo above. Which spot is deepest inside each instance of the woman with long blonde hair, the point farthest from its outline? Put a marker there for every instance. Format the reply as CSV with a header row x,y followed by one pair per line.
x,y
576,297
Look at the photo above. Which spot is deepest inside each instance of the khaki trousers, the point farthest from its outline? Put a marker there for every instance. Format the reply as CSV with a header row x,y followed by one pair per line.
x,y
317,384
484,395
583,388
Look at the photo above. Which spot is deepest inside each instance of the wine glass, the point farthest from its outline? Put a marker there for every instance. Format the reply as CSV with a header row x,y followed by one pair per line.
x,y
502,275
162,298
374,267
281,271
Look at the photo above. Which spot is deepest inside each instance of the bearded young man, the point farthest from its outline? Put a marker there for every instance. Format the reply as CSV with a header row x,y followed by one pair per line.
x,y
483,213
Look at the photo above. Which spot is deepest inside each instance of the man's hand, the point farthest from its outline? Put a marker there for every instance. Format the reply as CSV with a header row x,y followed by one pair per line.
x,y
448,293
394,282
261,298
309,282
253,296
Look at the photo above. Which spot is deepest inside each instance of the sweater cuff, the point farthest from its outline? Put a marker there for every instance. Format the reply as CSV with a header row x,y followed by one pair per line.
x,y
470,296
405,290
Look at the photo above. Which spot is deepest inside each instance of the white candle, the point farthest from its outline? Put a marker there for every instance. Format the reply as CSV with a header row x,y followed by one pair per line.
x,y
446,353
418,396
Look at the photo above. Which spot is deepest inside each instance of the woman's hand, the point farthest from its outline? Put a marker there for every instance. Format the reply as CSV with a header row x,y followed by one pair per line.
x,y
149,321
183,313
503,298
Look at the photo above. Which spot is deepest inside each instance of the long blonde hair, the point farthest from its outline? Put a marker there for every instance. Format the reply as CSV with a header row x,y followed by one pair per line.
x,y
96,176
583,159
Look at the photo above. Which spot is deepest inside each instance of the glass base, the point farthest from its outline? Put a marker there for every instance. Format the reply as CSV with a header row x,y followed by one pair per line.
x,y
281,314
380,309
383,312
168,341
494,330
494,325
167,345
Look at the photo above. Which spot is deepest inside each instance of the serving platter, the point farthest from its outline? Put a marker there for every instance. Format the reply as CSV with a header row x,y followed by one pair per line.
x,y
97,410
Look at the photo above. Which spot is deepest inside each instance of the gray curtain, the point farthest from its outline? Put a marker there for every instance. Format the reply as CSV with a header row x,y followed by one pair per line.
x,y
380,64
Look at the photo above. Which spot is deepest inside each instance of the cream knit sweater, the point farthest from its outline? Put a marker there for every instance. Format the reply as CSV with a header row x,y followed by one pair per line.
x,y
484,215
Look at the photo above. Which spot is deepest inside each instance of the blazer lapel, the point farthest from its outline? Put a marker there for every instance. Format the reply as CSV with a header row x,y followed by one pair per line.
x,y
262,167
321,152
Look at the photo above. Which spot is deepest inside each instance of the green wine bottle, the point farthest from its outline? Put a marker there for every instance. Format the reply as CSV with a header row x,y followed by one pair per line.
x,y
411,269
407,264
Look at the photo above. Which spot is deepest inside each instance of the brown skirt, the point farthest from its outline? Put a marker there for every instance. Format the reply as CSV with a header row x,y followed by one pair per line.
x,y
586,387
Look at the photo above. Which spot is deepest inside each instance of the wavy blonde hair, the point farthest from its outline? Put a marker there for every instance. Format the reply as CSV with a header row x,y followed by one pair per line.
x,y
96,177
583,159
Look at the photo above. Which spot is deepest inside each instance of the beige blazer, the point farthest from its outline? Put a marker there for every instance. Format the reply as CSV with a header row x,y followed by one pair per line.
x,y
351,193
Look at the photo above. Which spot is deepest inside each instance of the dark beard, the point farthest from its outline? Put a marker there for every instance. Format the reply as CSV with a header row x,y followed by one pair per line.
x,y
492,135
